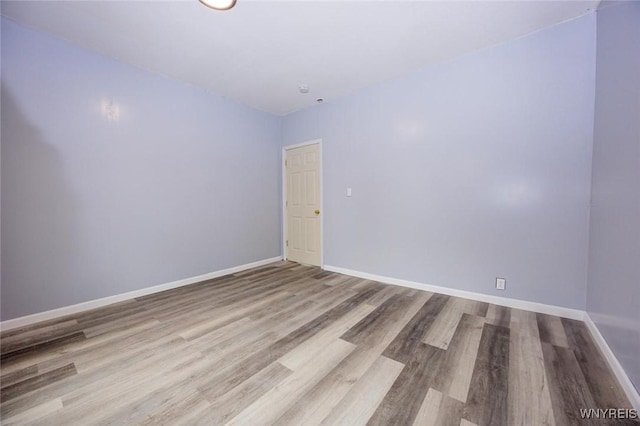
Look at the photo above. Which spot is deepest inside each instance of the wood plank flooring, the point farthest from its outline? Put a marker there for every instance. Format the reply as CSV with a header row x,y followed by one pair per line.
x,y
289,344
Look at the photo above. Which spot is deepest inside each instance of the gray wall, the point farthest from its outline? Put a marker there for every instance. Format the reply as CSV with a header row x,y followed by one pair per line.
x,y
613,292
183,183
468,170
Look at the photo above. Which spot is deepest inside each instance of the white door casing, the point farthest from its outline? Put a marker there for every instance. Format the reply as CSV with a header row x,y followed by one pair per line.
x,y
302,204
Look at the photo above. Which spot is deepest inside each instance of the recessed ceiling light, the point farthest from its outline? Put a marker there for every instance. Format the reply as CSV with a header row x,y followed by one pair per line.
x,y
303,88
219,4
319,100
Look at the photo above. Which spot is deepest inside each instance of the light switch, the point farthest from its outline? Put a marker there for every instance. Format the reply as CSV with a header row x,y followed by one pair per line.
x,y
348,192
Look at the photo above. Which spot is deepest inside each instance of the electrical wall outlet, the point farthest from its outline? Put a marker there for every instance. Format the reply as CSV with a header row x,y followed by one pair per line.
x,y
501,283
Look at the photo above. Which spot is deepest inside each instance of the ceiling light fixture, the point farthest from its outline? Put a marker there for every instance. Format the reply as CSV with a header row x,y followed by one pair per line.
x,y
219,4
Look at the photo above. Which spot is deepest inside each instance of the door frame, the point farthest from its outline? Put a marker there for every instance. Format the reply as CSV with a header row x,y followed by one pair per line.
x,y
284,197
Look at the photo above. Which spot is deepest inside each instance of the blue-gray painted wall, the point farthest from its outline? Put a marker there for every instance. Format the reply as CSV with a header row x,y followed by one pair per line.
x,y
613,292
183,183
468,170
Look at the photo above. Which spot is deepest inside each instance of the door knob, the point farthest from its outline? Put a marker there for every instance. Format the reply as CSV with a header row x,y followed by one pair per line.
x,y
317,212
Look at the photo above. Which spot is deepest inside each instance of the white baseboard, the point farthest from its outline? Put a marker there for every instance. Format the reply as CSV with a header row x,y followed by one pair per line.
x,y
622,377
96,303
496,300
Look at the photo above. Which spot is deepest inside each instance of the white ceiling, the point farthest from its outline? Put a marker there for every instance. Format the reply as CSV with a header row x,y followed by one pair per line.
x,y
261,51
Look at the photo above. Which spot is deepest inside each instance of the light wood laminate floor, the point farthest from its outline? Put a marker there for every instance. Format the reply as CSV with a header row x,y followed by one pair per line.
x,y
291,344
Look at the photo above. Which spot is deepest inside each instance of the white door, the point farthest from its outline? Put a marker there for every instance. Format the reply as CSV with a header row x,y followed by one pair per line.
x,y
303,204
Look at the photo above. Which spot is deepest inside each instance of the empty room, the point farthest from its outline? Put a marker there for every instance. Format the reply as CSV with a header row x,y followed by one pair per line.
x,y
254,212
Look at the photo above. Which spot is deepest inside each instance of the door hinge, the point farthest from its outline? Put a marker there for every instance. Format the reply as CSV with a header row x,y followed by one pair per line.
x,y
287,243
285,163
286,203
